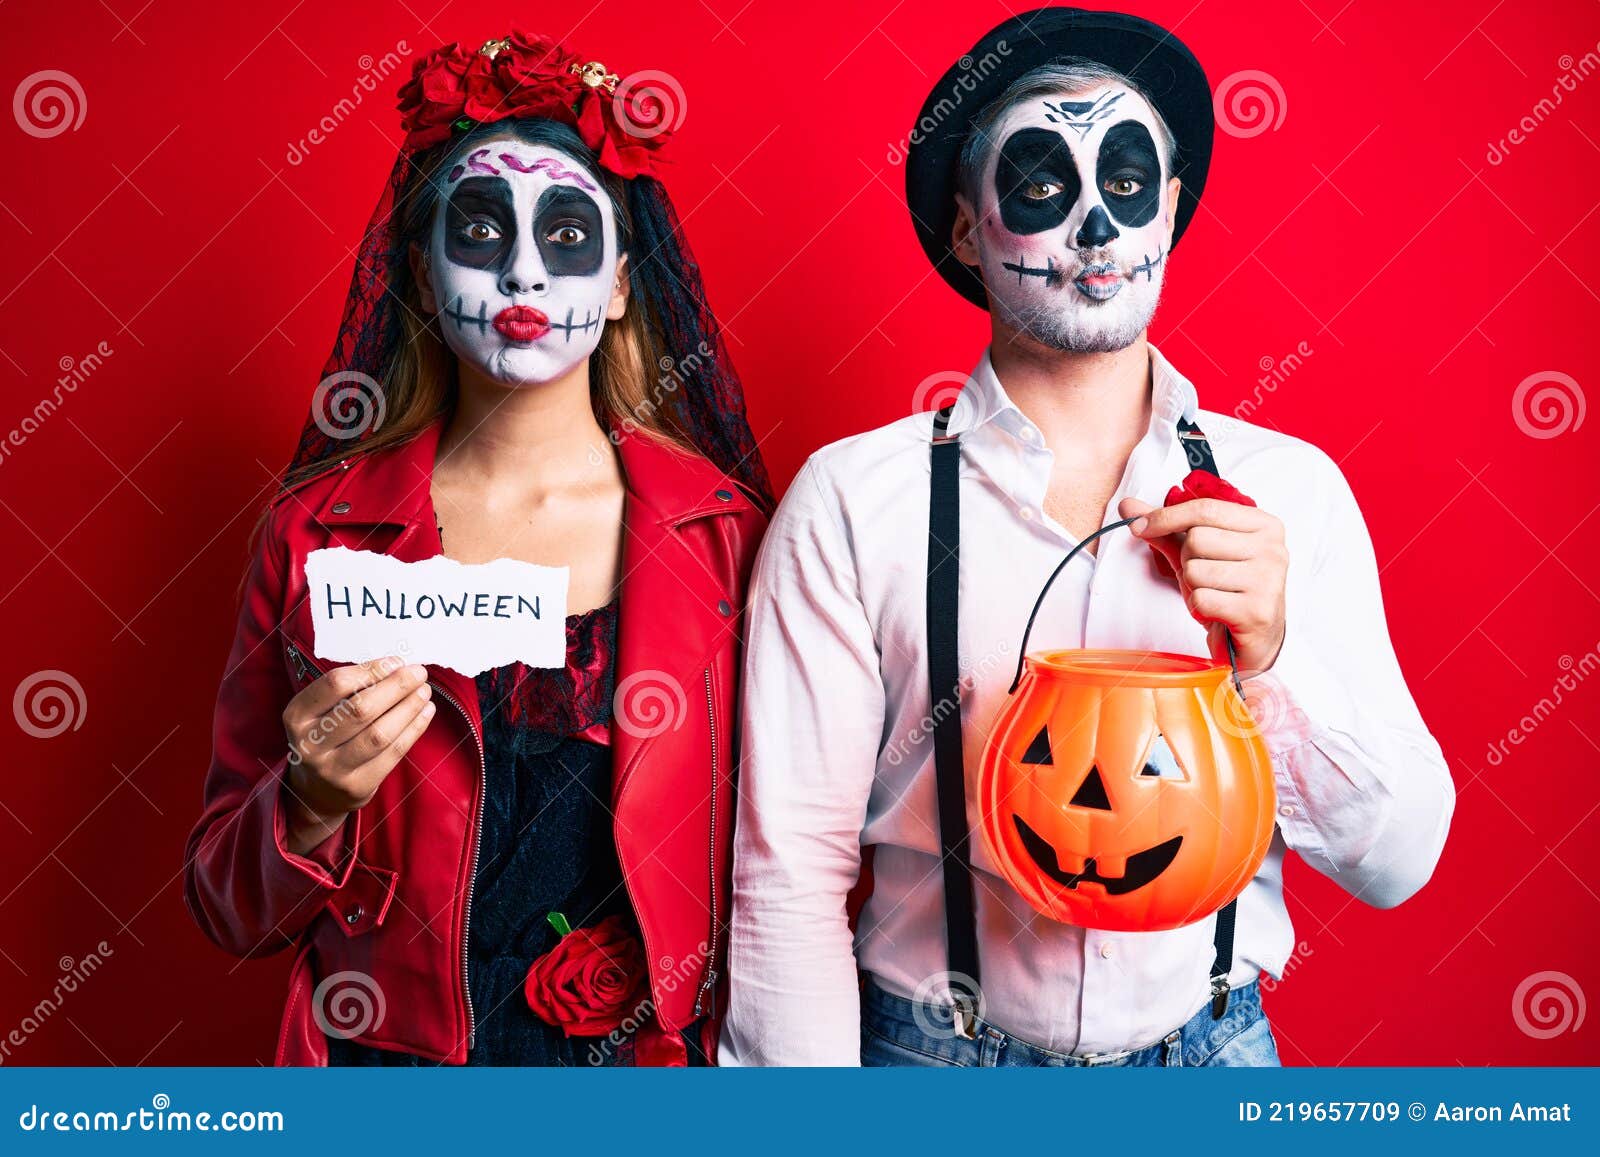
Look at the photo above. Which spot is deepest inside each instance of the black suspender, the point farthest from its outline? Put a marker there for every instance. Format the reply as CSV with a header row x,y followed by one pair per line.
x,y
944,696
944,584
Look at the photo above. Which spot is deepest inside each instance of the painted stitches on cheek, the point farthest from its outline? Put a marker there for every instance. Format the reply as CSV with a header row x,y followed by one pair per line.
x,y
1036,181
1129,173
480,224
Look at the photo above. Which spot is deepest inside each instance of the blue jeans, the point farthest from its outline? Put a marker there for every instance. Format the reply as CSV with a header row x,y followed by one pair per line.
x,y
897,1031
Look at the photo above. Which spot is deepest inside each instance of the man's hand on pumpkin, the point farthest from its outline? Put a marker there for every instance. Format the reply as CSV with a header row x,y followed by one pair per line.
x,y
1231,563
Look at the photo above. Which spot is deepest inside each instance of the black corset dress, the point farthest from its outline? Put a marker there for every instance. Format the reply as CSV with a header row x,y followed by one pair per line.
x,y
546,845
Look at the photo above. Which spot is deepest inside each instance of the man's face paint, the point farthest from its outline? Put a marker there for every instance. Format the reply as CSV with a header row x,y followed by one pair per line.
x,y
1073,223
523,259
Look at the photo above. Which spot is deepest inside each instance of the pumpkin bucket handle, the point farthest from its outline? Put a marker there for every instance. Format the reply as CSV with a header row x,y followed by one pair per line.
x,y
1022,651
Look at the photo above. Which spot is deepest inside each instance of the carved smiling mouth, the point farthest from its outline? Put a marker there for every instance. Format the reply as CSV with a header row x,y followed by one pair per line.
x,y
1142,867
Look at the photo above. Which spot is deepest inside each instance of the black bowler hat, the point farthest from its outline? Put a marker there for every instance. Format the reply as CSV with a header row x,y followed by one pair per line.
x,y
1146,53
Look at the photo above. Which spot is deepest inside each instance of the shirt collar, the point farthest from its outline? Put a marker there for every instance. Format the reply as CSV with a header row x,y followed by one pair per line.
x,y
983,401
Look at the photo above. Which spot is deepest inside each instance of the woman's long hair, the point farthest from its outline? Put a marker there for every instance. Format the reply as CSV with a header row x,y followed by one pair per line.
x,y
660,371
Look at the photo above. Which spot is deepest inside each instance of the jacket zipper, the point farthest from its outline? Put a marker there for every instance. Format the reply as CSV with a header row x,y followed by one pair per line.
x,y
299,661
305,668
705,998
472,878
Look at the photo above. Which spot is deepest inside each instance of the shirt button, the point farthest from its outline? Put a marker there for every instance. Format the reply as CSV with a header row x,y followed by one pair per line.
x,y
341,508
1107,951
1286,810
1025,513
1027,433
724,608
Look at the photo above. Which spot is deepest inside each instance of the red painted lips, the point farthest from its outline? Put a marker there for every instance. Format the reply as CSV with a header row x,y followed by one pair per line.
x,y
522,323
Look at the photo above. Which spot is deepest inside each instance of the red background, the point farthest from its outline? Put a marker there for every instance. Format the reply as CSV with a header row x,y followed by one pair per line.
x,y
1427,283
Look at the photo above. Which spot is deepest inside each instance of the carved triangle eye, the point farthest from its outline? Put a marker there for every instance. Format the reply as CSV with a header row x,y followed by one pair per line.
x,y
1039,750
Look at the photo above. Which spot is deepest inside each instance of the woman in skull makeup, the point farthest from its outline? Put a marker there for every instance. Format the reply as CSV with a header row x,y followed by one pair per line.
x,y
529,867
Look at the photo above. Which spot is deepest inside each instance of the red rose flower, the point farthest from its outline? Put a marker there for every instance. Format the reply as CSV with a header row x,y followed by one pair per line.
x,y
532,76
536,73
1204,484
591,981
1199,484
434,97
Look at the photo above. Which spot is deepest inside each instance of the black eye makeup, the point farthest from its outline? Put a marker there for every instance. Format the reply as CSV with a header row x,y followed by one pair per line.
x,y
1036,181
480,223
1129,173
568,228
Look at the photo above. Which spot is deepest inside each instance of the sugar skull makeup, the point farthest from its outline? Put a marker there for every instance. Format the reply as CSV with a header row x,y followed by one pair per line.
x,y
522,260
1073,219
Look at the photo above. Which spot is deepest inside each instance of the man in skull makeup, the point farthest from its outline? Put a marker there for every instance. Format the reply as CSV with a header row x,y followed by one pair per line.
x,y
1052,172
1076,211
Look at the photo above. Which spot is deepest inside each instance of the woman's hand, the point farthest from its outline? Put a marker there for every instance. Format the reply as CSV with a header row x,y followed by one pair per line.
x,y
1232,566
346,733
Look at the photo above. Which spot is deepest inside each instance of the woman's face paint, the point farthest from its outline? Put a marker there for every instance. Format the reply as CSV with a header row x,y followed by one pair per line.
x,y
522,261
1072,219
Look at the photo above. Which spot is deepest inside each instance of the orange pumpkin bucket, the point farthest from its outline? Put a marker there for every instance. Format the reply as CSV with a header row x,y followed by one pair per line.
x,y
1125,790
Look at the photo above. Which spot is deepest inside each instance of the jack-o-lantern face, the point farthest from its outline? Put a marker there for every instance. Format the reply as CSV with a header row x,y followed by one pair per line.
x,y
1113,797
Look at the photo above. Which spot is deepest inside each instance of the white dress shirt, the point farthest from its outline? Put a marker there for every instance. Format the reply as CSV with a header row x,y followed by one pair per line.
x,y
838,752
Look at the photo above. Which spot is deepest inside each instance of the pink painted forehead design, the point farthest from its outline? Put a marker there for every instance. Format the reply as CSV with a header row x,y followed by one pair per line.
x,y
493,160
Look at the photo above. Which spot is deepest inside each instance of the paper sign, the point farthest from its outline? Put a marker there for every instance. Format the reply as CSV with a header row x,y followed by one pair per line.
x,y
470,618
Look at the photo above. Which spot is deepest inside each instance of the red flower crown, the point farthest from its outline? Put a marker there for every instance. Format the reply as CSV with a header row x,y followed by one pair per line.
x,y
453,89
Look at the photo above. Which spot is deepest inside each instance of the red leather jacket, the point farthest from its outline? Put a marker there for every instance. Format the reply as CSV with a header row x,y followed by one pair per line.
x,y
387,901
